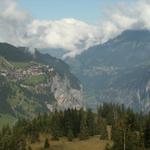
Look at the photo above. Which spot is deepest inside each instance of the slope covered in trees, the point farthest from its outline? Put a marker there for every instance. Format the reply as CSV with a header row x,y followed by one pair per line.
x,y
128,130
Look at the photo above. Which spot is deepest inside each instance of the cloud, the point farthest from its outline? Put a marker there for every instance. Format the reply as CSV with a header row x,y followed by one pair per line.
x,y
13,22
70,34
19,28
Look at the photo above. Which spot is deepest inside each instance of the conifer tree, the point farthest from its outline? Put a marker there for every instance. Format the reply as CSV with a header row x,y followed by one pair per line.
x,y
147,133
90,122
83,127
70,135
124,138
29,148
55,126
101,128
46,144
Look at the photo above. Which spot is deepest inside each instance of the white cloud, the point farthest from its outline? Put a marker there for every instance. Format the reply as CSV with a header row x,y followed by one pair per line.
x,y
19,28
13,23
69,34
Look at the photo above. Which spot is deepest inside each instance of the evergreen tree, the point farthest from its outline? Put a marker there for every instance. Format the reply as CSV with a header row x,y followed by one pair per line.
x,y
76,122
101,128
70,135
147,133
83,127
46,144
130,120
90,122
124,138
29,148
55,126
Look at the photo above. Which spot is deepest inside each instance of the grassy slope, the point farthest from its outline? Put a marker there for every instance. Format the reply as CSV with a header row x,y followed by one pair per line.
x,y
93,143
35,80
6,119
19,65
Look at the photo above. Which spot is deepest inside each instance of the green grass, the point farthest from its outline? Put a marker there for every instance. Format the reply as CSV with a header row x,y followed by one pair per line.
x,y
30,106
6,119
27,105
4,63
18,65
33,80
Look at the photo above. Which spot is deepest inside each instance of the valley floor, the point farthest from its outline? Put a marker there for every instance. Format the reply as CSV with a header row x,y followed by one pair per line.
x,y
93,143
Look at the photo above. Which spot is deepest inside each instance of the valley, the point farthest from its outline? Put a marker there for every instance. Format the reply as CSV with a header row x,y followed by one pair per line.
x,y
116,71
74,75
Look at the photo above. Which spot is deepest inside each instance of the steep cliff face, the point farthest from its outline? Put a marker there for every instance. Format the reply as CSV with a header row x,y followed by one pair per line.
x,y
65,94
137,99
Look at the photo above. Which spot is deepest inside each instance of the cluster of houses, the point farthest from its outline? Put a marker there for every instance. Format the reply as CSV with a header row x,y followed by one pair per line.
x,y
32,69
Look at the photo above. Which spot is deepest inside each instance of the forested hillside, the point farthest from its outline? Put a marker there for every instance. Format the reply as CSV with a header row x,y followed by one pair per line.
x,y
32,83
116,127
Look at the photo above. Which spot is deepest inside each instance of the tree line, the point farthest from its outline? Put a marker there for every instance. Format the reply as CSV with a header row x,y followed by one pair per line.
x,y
129,130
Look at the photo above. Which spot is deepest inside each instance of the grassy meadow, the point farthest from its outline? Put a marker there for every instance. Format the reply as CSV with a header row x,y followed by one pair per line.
x,y
93,143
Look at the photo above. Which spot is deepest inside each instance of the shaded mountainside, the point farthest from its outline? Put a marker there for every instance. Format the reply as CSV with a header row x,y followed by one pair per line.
x,y
22,54
33,83
118,70
55,52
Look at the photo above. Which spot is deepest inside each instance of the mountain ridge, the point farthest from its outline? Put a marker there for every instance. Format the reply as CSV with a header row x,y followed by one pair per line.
x,y
116,71
35,83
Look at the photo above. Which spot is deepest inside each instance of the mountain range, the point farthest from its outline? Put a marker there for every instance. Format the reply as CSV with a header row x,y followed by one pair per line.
x,y
116,71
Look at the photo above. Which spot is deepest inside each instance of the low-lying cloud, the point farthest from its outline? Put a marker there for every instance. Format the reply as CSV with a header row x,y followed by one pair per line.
x,y
18,27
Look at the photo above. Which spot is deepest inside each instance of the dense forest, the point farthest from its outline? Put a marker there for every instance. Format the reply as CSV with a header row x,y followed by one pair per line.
x,y
128,130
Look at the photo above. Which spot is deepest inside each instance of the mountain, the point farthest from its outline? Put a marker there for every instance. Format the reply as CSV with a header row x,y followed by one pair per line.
x,y
117,71
55,52
31,83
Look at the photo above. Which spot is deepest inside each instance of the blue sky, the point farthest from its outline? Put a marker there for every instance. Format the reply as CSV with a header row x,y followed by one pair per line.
x,y
86,10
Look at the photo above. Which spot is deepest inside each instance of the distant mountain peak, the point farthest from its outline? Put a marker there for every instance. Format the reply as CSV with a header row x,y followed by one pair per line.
x,y
117,71
134,35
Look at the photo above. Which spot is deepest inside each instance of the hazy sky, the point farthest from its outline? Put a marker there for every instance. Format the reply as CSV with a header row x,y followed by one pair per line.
x,y
87,10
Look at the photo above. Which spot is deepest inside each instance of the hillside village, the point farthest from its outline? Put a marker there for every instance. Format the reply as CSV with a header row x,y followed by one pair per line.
x,y
37,87
23,72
